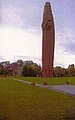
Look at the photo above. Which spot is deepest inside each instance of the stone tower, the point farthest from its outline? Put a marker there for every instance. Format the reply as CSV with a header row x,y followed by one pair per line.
x,y
48,40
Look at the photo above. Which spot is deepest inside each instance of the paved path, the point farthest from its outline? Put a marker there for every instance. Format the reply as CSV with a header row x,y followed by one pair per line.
x,y
69,89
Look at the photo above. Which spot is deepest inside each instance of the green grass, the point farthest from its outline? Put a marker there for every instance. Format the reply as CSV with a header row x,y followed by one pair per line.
x,y
51,81
19,101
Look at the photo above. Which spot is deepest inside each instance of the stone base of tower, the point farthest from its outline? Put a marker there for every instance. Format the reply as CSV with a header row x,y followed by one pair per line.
x,y
46,73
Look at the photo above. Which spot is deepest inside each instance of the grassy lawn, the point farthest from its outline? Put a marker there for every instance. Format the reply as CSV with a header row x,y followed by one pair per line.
x,y
19,101
51,81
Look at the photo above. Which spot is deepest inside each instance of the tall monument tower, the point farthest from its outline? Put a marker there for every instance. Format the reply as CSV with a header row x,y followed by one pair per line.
x,y
48,40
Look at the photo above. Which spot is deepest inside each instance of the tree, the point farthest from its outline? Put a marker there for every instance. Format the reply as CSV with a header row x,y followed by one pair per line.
x,y
58,71
71,70
28,71
71,66
31,69
64,72
6,71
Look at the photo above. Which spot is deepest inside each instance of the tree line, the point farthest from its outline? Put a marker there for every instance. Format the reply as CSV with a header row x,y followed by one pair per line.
x,y
31,69
35,70
64,72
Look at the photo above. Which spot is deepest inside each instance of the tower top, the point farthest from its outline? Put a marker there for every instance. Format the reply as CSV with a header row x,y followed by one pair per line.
x,y
47,4
47,11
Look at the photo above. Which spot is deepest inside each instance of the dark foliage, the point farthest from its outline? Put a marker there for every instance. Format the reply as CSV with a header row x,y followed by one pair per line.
x,y
64,72
31,69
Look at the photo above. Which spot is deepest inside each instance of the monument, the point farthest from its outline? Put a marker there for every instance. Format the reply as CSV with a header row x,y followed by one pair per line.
x,y
48,40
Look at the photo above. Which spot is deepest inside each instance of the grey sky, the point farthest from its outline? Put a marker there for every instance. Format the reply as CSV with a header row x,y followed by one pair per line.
x,y
27,15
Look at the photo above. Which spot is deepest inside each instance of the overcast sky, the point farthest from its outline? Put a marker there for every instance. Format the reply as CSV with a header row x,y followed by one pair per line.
x,y
21,34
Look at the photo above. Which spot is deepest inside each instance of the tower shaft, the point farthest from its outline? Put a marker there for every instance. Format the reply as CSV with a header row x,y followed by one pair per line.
x,y
48,40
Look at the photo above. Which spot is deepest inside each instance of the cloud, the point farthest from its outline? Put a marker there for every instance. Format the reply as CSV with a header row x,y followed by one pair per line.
x,y
11,16
26,58
24,17
70,44
63,58
27,44
64,47
19,42
1,58
66,39
20,37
